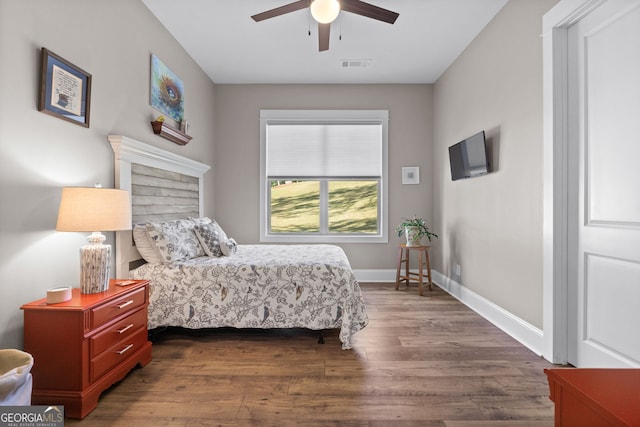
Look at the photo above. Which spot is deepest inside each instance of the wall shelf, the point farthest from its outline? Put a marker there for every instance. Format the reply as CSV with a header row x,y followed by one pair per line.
x,y
170,133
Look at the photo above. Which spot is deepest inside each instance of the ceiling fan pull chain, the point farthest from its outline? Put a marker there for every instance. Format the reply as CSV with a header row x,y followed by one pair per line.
x,y
309,23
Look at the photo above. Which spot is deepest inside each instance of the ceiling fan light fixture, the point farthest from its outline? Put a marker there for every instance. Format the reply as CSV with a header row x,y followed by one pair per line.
x,y
325,11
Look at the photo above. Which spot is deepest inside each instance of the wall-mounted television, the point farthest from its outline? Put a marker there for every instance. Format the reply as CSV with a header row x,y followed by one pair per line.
x,y
468,158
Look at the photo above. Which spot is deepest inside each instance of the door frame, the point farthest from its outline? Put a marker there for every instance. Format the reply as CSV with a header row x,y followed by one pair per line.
x,y
557,182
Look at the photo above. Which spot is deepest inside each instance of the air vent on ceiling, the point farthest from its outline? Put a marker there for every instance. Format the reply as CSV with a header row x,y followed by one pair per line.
x,y
355,63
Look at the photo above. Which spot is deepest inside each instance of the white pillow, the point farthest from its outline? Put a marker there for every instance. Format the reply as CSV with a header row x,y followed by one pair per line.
x,y
174,240
144,245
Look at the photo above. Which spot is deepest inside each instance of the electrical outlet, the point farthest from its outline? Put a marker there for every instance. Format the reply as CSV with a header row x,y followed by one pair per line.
x,y
457,269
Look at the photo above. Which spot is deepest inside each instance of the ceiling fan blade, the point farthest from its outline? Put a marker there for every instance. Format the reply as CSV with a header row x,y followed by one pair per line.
x,y
370,11
287,8
323,36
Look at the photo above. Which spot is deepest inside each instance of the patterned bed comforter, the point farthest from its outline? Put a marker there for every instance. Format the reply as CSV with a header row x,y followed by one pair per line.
x,y
260,286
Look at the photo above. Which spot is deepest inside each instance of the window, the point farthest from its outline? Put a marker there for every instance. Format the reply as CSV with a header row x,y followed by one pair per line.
x,y
323,175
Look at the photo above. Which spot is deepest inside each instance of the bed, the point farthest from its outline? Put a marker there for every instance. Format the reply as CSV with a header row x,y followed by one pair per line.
x,y
201,278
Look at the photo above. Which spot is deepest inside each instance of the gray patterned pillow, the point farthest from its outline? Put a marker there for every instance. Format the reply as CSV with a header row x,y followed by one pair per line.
x,y
206,220
201,220
229,247
210,236
174,240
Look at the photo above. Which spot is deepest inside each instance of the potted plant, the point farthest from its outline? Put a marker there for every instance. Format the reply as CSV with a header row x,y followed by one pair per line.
x,y
414,229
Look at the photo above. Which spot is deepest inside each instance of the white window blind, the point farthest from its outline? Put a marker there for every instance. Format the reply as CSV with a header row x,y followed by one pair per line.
x,y
333,148
324,150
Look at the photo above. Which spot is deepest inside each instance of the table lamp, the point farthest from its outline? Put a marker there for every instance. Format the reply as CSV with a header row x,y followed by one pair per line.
x,y
94,209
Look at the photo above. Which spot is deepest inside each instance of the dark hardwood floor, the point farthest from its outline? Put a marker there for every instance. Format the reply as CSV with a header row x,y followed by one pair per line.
x,y
422,361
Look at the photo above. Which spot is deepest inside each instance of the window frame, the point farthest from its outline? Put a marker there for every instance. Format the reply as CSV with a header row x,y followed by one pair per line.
x,y
324,117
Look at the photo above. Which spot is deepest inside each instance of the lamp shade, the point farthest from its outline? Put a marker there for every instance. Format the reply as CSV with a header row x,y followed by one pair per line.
x,y
325,11
94,209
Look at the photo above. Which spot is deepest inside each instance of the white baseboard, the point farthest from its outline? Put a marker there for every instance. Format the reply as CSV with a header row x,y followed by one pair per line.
x,y
523,332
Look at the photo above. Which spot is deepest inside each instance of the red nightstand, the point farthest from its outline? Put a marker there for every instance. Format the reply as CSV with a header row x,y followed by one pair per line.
x,y
595,397
82,346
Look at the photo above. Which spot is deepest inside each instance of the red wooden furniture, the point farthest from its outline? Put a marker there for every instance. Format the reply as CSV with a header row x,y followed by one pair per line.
x,y
82,346
595,397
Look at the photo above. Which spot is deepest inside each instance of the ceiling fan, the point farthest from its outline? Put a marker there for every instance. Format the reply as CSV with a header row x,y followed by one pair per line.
x,y
326,11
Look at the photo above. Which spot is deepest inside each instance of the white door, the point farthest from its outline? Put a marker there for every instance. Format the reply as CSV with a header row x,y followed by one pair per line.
x,y
604,187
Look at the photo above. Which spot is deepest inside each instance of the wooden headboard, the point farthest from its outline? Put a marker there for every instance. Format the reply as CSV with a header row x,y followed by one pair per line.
x,y
163,186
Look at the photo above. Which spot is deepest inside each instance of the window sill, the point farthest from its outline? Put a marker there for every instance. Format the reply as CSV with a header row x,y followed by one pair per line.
x,y
295,239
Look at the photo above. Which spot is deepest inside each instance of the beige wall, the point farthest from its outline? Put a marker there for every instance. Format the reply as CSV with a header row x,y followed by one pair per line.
x,y
112,40
492,225
238,140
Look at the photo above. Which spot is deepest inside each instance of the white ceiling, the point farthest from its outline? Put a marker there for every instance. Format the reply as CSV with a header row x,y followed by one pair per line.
x,y
232,48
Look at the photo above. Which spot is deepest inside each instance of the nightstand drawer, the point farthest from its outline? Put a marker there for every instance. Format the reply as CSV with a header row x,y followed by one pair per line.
x,y
116,332
117,307
118,353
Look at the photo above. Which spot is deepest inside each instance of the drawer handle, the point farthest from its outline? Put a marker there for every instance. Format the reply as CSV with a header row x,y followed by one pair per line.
x,y
125,329
126,304
124,350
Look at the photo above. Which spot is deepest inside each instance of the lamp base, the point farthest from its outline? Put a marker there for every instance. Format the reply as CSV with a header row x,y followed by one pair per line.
x,y
95,263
